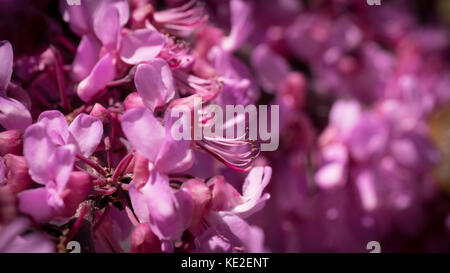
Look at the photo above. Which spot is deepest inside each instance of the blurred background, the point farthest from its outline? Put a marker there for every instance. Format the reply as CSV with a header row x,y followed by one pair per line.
x,y
364,95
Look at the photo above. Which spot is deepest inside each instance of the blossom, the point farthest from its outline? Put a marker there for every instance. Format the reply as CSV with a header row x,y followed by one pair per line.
x,y
50,147
13,114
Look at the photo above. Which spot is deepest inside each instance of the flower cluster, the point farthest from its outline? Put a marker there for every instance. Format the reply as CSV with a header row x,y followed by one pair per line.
x,y
87,151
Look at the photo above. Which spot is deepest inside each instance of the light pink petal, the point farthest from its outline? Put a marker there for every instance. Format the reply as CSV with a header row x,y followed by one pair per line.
x,y
87,56
170,213
32,243
86,133
60,165
103,72
11,231
56,125
366,188
13,114
344,116
138,201
253,199
6,64
271,69
144,131
141,45
252,237
175,155
37,149
124,10
224,196
154,83
34,202
143,240
80,16
107,25
331,175
241,24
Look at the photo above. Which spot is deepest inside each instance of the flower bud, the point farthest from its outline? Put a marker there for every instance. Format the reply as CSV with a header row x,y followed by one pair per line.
x,y
77,189
17,173
8,208
11,142
224,195
143,240
201,195
100,112
132,101
293,90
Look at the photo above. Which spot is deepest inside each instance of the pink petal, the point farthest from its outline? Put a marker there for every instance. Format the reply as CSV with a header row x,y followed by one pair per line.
x,y
2,171
56,125
252,237
87,56
331,175
85,133
60,165
38,148
141,45
224,196
34,202
6,64
78,188
144,132
102,73
169,213
241,24
143,240
13,114
80,16
253,199
139,203
175,155
141,172
123,8
154,83
107,26
271,69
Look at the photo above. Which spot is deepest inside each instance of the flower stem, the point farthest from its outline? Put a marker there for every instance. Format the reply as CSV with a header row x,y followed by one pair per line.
x,y
93,165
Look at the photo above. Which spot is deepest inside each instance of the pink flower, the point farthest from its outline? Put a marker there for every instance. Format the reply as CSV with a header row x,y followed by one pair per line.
x,y
13,114
168,211
50,147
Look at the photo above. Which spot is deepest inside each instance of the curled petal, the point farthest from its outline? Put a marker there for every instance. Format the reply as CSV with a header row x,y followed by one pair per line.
x,y
241,24
253,199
